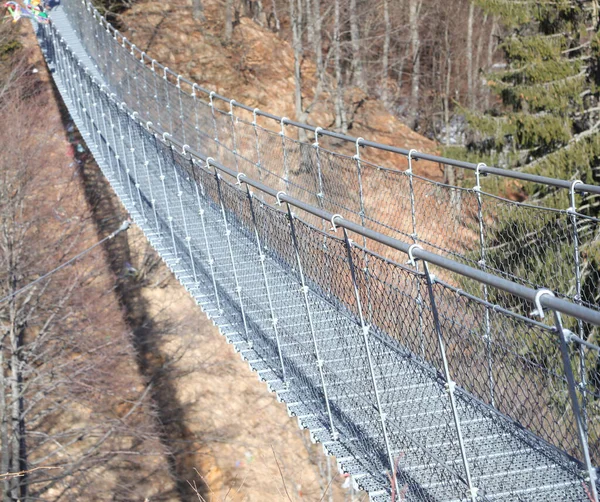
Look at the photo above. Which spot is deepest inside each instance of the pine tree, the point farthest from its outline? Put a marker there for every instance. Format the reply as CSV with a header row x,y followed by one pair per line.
x,y
546,120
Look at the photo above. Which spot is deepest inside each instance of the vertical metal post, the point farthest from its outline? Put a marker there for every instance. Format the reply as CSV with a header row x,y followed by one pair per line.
x,y
115,143
261,257
482,264
179,92
320,195
134,163
414,235
197,126
233,140
214,117
149,179
258,158
362,213
238,287
124,150
572,212
365,335
168,105
164,188
201,212
450,384
285,159
564,338
305,289
158,107
188,238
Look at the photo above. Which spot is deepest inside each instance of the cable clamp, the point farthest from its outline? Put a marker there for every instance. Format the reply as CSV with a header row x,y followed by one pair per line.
x,y
473,492
411,152
179,194
238,289
274,321
279,194
261,258
201,212
365,329
450,386
188,238
282,122
238,177
254,112
411,258
304,289
316,143
227,232
539,310
333,227
184,149
208,160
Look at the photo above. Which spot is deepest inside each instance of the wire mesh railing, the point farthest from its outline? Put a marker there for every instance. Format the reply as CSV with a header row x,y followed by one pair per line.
x,y
429,380
551,242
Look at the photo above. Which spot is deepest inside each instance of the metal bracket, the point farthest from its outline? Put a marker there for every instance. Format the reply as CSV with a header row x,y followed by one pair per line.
x,y
539,310
411,258
573,209
254,112
316,143
281,192
208,160
411,152
164,135
282,122
477,187
231,103
210,97
178,81
239,182
358,140
333,227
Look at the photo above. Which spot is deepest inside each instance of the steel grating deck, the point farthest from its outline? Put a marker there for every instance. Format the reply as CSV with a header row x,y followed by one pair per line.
x,y
508,463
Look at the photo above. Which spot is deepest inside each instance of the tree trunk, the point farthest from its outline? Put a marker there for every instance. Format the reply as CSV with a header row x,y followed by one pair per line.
x,y
4,440
415,43
198,10
295,15
470,98
341,122
386,51
490,58
228,21
357,70
318,40
275,17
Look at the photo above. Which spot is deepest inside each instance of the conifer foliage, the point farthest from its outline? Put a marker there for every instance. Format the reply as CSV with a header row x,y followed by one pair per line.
x,y
546,121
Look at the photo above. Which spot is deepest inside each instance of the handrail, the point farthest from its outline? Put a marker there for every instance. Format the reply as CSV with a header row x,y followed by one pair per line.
x,y
415,155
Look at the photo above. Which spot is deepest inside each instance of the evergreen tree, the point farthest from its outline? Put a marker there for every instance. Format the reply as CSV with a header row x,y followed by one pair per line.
x,y
545,121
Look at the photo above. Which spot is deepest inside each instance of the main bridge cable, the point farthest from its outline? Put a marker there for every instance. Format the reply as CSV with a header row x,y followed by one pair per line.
x,y
124,226
506,173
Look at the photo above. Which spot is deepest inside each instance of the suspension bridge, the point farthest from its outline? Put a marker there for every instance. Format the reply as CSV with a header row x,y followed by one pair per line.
x,y
380,307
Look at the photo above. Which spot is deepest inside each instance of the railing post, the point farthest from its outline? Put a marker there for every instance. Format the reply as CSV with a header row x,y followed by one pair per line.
x,y
414,235
188,238
262,257
201,212
179,92
482,264
158,107
365,328
285,159
216,130
168,105
305,289
258,157
164,189
362,213
238,287
233,140
450,384
564,337
149,179
572,213
134,163
197,126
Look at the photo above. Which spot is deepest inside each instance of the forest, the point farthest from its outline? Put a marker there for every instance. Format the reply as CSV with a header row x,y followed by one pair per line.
x,y
83,394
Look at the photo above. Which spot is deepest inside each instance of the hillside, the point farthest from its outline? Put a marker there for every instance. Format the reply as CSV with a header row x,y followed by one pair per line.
x,y
257,69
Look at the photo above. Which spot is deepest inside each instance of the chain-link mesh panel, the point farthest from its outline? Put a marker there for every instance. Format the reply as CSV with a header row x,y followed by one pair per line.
x,y
418,387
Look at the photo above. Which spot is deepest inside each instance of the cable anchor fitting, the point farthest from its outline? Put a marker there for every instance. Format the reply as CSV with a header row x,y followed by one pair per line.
x,y
539,309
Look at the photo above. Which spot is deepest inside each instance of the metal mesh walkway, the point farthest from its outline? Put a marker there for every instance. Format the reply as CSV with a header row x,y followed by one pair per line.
x,y
385,364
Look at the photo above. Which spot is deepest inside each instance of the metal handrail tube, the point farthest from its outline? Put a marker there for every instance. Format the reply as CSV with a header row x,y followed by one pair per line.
x,y
524,292
506,173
